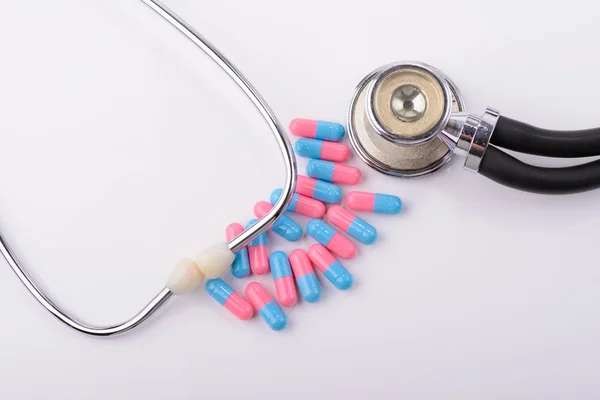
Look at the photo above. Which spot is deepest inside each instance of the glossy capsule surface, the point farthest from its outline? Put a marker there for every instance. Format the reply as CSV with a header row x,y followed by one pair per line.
x,y
285,227
330,238
313,129
374,202
301,204
306,279
318,190
333,172
285,288
267,308
258,252
224,294
240,267
331,268
322,150
354,226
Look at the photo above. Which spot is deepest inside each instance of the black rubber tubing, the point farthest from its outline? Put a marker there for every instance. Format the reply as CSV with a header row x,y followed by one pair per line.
x,y
525,138
507,170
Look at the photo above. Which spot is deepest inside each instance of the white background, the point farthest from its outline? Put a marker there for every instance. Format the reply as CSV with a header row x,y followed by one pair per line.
x,y
122,148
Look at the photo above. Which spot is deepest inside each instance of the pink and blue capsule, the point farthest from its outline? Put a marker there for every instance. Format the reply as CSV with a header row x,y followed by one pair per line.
x,y
267,308
229,298
322,130
285,288
321,150
301,204
331,172
240,268
285,227
306,279
331,268
318,190
258,252
330,238
354,226
374,202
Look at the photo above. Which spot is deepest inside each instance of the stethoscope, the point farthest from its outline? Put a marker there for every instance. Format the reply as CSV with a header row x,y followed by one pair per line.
x,y
216,258
408,119
405,119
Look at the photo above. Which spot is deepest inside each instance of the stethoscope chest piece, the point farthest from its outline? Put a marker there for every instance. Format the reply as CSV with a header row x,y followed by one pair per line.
x,y
395,117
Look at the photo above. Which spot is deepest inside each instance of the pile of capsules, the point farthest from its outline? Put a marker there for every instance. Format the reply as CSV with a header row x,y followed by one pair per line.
x,y
320,142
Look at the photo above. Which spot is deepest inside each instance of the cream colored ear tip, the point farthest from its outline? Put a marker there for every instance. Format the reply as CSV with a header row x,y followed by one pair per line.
x,y
214,260
184,277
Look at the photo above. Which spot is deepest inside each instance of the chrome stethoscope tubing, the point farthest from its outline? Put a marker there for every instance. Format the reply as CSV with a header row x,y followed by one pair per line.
x,y
237,243
408,119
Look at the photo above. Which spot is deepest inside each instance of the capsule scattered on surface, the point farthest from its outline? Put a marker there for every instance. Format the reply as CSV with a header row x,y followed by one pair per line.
x,y
285,288
240,268
284,226
331,172
322,130
354,226
307,281
331,268
321,150
258,252
330,238
267,308
229,298
374,202
301,204
319,190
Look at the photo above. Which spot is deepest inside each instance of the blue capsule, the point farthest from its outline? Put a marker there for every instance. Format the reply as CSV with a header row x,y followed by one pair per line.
x,y
318,149
260,240
273,315
374,202
310,148
277,194
309,287
319,190
387,204
354,226
322,130
339,276
284,226
240,267
333,270
307,281
333,172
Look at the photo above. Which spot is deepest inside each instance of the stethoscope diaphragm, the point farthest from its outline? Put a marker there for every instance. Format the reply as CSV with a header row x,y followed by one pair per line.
x,y
395,116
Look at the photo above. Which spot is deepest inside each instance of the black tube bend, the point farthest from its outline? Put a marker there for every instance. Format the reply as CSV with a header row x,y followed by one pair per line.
x,y
507,170
525,138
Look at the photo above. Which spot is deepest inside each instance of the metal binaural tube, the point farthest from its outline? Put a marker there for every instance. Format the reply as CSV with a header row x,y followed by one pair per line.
x,y
245,237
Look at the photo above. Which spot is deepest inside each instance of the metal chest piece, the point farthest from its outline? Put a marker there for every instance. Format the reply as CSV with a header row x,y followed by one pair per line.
x,y
396,116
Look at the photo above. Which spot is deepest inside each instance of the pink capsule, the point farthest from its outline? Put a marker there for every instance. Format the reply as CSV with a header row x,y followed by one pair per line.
x,y
354,226
240,267
301,204
321,150
374,202
332,172
258,252
330,238
321,130
267,308
283,279
219,290
284,226
318,190
307,281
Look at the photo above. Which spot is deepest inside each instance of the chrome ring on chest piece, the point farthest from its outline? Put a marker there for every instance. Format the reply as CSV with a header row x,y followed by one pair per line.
x,y
405,119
